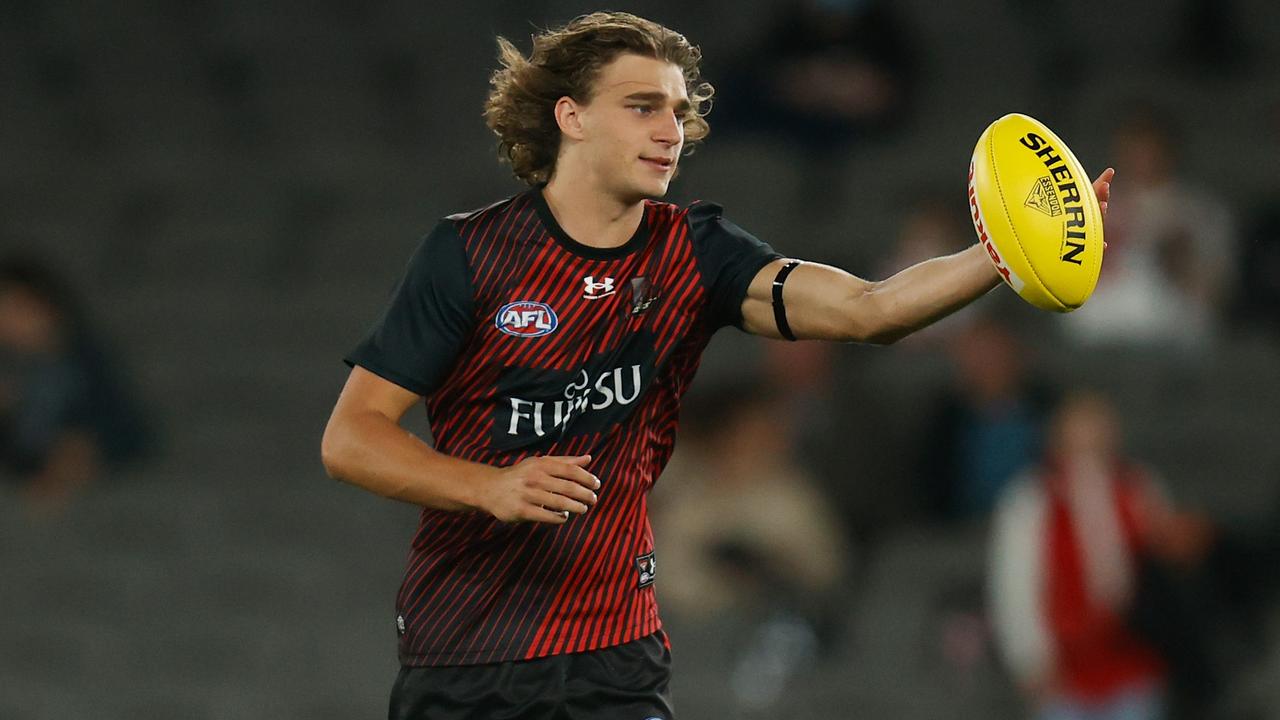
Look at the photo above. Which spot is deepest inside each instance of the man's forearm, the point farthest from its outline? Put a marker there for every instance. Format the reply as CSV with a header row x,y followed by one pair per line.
x,y
375,453
929,291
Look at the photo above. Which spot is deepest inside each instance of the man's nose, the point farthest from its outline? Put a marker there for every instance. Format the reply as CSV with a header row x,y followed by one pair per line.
x,y
670,130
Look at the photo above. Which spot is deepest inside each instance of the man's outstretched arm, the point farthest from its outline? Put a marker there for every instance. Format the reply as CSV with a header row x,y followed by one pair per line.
x,y
826,303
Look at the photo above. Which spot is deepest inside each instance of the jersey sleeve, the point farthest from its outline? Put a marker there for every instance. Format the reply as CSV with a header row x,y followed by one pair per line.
x,y
728,258
423,328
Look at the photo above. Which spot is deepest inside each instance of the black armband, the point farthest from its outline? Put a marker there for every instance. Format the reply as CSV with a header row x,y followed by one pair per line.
x,y
779,307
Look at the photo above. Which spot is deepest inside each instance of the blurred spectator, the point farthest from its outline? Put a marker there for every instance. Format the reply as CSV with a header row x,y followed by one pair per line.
x,y
64,416
933,225
986,427
1169,260
811,403
827,74
744,529
1067,559
829,71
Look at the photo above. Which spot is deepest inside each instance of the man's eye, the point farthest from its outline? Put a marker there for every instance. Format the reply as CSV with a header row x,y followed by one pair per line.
x,y
642,109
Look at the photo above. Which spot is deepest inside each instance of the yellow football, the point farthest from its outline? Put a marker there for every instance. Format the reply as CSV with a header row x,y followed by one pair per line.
x,y
1035,212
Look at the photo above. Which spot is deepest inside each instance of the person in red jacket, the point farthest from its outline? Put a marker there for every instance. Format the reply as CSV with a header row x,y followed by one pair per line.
x,y
1067,543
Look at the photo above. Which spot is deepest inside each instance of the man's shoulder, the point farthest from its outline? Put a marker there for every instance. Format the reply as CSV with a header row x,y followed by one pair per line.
x,y
709,226
693,212
702,219
516,202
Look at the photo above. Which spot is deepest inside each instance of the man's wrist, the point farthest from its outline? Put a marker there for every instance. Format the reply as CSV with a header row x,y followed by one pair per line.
x,y
474,487
983,258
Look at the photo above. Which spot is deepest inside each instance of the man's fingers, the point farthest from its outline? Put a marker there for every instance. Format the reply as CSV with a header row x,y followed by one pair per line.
x,y
565,488
558,503
546,489
576,473
573,490
543,515
1102,186
579,460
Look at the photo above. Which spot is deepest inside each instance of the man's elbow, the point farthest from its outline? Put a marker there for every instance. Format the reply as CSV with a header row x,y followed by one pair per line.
x,y
335,449
871,321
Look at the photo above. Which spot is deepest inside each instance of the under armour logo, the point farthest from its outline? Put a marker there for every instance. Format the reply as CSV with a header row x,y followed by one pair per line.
x,y
596,290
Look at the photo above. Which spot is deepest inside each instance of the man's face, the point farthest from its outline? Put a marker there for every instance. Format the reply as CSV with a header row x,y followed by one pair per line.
x,y
633,128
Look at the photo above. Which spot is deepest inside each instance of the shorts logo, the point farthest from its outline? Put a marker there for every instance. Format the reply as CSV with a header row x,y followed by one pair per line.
x,y
526,318
647,567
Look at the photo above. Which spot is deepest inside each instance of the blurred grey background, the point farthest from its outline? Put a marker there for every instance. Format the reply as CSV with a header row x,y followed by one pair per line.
x,y
231,189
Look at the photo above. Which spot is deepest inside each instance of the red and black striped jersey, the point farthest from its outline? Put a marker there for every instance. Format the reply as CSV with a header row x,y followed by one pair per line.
x,y
525,342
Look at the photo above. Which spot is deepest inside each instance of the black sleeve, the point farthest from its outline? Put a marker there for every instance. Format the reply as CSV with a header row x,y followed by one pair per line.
x,y
428,319
728,258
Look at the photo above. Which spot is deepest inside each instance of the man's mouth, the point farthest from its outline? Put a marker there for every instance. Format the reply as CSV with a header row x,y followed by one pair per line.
x,y
660,163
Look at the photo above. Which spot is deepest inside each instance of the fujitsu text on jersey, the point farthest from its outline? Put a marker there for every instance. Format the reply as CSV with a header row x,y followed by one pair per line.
x,y
619,386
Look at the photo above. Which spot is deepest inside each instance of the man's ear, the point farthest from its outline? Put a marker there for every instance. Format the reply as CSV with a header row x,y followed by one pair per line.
x,y
569,117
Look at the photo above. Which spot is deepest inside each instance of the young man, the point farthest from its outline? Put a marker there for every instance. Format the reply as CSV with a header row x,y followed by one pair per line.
x,y
552,336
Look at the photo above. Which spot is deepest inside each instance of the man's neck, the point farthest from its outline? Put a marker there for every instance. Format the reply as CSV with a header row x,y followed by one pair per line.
x,y
588,215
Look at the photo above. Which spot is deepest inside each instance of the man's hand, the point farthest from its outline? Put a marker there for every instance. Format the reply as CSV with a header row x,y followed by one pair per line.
x,y
1102,188
541,489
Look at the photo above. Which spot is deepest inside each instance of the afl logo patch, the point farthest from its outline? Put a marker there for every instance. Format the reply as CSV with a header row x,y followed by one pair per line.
x,y
526,318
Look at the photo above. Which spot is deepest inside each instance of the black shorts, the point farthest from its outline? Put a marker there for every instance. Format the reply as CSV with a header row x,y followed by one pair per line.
x,y
626,682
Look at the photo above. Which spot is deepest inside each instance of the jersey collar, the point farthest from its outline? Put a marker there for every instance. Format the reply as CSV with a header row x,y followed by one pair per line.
x,y
549,221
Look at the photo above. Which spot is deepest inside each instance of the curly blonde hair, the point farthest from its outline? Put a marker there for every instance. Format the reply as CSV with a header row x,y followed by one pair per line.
x,y
567,61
